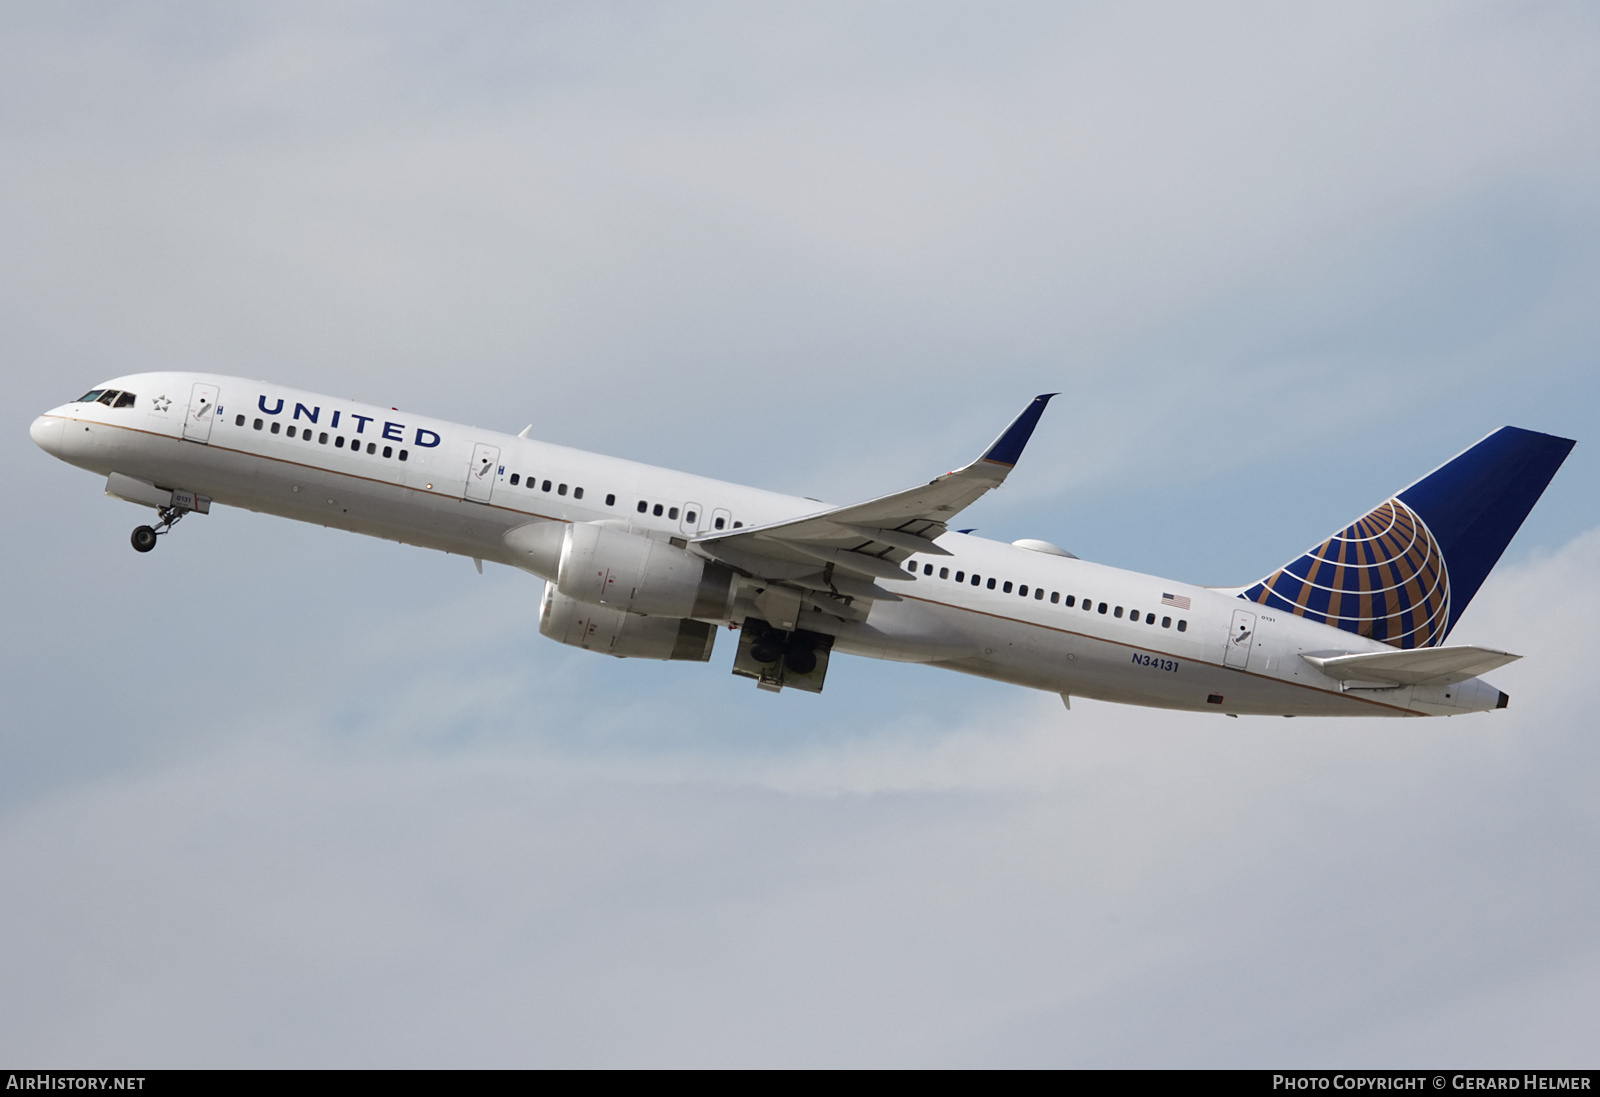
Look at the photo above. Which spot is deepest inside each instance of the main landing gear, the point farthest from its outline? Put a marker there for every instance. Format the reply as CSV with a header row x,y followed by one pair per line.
x,y
775,658
144,538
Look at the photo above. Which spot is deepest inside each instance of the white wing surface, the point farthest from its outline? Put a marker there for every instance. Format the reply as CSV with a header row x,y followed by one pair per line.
x,y
842,553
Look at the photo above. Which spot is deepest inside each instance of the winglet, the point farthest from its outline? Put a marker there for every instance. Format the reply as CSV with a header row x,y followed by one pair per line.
x,y
1007,449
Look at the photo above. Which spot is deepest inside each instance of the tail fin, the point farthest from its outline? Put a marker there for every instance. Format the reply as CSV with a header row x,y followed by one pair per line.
x,y
1404,572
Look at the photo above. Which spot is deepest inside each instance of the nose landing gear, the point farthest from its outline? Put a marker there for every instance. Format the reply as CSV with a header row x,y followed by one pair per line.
x,y
144,537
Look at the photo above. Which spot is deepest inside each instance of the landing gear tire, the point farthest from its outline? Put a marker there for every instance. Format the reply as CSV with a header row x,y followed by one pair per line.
x,y
800,660
144,539
765,651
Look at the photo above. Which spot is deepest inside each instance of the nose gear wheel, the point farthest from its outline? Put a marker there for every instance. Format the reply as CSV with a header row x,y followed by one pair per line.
x,y
144,537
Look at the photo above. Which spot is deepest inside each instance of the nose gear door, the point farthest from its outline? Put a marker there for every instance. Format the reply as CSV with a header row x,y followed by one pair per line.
x,y
483,472
198,419
1241,638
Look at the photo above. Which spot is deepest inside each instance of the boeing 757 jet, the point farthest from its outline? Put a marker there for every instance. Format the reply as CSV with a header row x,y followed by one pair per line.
x,y
647,563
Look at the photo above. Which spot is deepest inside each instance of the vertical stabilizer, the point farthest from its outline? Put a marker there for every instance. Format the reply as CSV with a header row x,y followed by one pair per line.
x,y
1404,572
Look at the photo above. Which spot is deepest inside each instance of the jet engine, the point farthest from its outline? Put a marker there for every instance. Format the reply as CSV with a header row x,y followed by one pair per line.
x,y
625,635
612,567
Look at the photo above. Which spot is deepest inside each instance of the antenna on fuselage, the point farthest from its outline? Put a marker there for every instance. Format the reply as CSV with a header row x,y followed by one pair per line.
x,y
526,432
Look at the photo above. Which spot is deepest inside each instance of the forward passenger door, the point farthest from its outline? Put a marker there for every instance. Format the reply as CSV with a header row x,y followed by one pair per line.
x,y
201,414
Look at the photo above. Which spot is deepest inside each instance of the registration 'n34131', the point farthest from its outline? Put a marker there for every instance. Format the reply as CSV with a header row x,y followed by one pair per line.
x,y
1155,662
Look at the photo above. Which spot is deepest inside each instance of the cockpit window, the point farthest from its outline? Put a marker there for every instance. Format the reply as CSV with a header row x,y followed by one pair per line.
x,y
124,400
109,397
89,397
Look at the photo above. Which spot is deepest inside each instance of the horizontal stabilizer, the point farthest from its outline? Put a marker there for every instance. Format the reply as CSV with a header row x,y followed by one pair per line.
x,y
1421,666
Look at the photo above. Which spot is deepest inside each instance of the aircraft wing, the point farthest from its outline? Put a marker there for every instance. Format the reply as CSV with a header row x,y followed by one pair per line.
x,y
843,550
1434,666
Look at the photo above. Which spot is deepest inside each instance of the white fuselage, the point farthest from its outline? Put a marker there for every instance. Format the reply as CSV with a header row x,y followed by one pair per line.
x,y
1123,637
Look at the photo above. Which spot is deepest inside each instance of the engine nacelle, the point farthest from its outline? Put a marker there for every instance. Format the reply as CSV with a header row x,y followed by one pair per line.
x,y
625,635
602,565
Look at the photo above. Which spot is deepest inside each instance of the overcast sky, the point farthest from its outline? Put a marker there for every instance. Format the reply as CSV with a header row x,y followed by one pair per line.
x,y
278,795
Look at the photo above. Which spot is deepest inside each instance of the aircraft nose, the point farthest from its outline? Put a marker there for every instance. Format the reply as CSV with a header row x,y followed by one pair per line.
x,y
46,432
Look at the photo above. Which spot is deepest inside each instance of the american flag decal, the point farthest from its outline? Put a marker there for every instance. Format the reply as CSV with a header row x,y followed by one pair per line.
x,y
1177,601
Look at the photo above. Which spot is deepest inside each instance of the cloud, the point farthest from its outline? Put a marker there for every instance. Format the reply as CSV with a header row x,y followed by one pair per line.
x,y
278,795
1101,887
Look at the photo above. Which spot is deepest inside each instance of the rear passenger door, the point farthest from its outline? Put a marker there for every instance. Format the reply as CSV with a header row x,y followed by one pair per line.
x,y
1241,638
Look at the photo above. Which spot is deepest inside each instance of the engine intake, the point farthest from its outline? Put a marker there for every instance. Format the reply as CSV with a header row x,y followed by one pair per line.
x,y
625,635
611,567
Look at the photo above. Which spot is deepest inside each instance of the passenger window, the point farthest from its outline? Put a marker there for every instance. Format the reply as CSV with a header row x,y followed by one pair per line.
x,y
1038,593
1103,607
1183,626
1166,622
1149,618
388,451
691,517
322,439
927,569
961,577
1072,600
672,512
643,506
276,427
975,578
990,584
611,501
372,447
238,420
545,486
1055,596
719,523
1007,587
911,566
944,573
404,454
562,490
516,478
256,424
736,525
1023,590
656,510
577,493
1117,612
338,443
291,432
125,400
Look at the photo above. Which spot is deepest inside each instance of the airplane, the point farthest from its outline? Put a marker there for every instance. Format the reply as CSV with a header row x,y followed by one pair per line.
x,y
649,563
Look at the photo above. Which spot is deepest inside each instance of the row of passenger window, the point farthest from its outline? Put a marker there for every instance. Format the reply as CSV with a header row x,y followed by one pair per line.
x,y
690,517
322,438
659,510
1038,594
560,489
